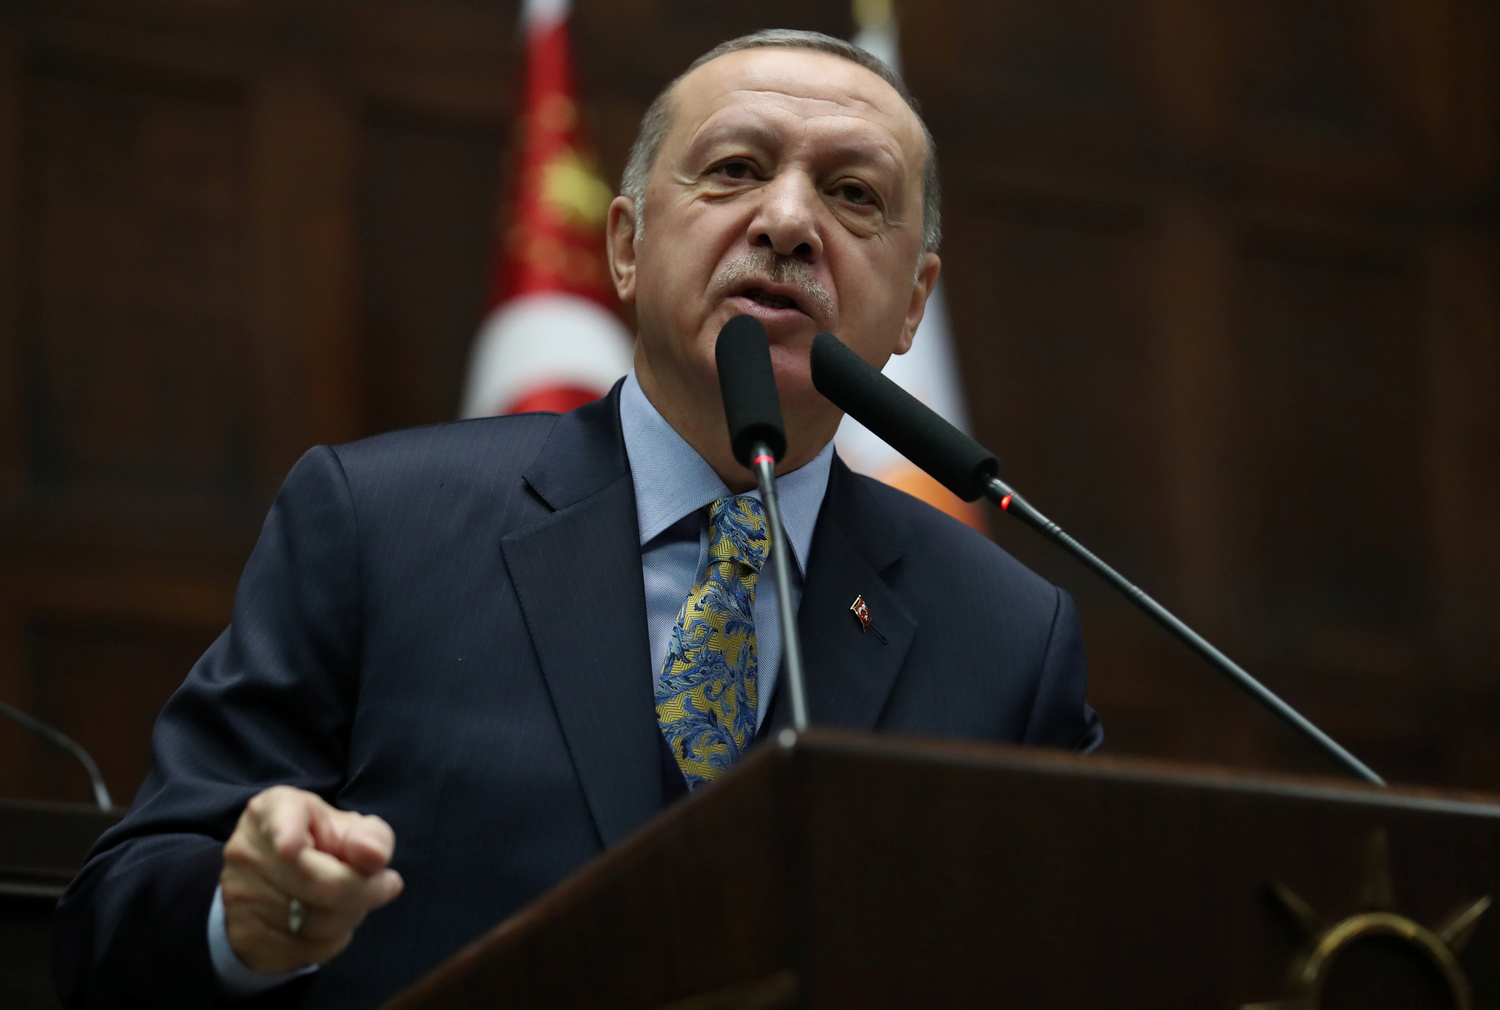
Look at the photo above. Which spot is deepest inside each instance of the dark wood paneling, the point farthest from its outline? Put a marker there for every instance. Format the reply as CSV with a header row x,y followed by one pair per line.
x,y
135,279
41,846
304,269
97,654
1309,68
425,256
1463,373
1073,60
12,427
1332,390
1090,360
99,682
1048,100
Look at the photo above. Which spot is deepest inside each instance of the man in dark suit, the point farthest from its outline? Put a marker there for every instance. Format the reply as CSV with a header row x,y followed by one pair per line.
x,y
490,641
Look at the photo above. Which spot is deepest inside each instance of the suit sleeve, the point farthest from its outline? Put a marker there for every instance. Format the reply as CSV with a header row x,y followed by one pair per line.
x,y
269,703
1060,715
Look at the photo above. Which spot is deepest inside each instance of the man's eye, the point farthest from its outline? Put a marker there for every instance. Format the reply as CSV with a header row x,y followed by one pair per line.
x,y
856,194
735,169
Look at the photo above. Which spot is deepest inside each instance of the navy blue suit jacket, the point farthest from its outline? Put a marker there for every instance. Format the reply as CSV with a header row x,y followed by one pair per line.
x,y
447,627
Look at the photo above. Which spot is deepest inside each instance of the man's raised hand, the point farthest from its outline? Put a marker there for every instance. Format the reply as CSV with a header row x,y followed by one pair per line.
x,y
291,844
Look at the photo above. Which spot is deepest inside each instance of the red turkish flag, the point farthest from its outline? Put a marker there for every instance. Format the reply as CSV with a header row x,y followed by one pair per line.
x,y
552,339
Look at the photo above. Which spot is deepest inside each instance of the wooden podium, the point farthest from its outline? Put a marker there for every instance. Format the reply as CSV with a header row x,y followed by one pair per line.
x,y
840,870
41,846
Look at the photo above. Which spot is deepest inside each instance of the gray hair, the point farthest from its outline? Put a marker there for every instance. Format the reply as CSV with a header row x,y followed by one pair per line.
x,y
657,121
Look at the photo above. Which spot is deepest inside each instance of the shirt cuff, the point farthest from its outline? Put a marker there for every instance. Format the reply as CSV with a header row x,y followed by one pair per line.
x,y
236,978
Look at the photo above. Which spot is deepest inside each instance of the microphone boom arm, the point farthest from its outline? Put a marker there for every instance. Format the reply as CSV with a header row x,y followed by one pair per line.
x,y
968,469
764,465
997,491
67,743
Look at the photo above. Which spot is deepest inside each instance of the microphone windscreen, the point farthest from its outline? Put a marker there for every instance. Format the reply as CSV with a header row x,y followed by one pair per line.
x,y
748,383
899,419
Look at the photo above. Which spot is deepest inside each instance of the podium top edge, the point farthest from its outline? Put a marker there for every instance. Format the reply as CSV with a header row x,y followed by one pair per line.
x,y
1133,769
60,808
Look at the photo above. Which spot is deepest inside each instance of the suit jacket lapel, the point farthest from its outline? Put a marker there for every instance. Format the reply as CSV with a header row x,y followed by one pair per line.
x,y
577,573
850,671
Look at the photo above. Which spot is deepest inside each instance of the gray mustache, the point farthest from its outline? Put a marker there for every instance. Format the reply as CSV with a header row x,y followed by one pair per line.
x,y
761,264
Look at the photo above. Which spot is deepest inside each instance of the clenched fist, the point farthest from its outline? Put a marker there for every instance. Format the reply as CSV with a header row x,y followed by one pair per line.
x,y
290,844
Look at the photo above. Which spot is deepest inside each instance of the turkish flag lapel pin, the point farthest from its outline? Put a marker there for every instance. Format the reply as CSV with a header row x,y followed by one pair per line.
x,y
861,610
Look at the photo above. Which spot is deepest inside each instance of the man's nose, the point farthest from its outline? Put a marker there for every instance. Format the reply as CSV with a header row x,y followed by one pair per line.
x,y
787,220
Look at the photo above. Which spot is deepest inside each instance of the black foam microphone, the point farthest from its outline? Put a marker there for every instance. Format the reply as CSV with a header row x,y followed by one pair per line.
x,y
964,466
748,384
753,409
899,419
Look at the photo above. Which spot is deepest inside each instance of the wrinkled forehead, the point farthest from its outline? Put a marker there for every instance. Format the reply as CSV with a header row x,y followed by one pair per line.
x,y
807,85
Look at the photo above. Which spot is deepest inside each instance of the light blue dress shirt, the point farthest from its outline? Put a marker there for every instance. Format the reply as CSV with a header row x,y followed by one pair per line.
x,y
673,488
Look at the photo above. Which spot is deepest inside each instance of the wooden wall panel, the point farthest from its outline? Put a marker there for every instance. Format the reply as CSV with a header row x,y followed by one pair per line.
x,y
1462,268
134,227
12,439
304,266
1193,309
426,254
100,680
450,59
1332,391
1092,458
132,449
97,653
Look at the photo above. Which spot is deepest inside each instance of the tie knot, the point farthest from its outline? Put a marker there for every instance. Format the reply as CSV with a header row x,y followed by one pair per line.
x,y
737,530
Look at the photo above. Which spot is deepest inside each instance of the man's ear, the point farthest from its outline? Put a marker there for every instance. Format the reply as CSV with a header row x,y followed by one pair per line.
x,y
927,275
619,244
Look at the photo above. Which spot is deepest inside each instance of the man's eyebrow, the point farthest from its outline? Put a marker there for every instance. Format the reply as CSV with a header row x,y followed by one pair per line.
x,y
756,133
879,155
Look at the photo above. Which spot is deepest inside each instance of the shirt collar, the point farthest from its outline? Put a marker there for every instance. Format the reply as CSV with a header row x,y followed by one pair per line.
x,y
672,480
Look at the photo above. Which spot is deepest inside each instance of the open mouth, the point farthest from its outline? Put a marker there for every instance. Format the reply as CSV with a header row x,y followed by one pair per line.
x,y
771,301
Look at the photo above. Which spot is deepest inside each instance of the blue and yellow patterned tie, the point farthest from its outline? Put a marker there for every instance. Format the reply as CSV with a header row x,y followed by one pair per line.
x,y
706,699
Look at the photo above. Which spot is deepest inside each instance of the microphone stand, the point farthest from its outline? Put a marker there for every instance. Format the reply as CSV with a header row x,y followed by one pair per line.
x,y
59,739
764,465
997,491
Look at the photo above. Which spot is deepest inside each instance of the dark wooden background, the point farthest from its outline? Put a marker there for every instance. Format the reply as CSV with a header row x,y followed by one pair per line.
x,y
1223,275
